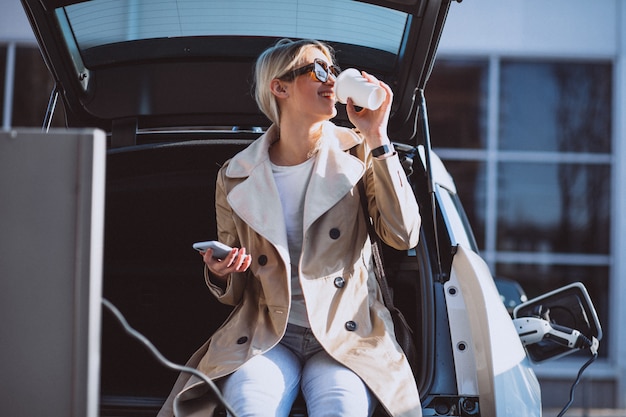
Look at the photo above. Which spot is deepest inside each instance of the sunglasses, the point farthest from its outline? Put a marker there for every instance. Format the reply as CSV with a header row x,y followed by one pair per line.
x,y
319,71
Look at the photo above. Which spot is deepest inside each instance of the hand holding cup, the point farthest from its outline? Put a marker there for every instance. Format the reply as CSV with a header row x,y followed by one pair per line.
x,y
351,84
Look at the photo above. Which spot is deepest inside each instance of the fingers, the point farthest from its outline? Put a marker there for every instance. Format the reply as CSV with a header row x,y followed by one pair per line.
x,y
384,107
372,123
241,261
350,109
236,261
374,80
371,78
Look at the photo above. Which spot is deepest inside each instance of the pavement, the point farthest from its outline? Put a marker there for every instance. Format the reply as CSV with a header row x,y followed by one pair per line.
x,y
579,412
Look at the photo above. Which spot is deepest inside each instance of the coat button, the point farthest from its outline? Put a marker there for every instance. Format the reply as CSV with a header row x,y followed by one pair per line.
x,y
334,233
350,326
262,260
242,340
339,282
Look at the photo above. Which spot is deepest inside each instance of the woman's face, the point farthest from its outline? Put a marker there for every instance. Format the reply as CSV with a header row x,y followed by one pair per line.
x,y
308,96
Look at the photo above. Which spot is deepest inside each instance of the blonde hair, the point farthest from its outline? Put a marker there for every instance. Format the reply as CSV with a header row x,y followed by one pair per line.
x,y
275,62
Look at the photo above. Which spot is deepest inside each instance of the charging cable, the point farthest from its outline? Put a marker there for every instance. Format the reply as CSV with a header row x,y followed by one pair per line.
x,y
162,359
594,355
533,330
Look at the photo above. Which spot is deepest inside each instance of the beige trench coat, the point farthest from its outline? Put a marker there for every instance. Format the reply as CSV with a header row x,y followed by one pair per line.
x,y
335,245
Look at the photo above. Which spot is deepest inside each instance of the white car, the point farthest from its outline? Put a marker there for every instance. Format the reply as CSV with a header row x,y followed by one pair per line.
x,y
169,83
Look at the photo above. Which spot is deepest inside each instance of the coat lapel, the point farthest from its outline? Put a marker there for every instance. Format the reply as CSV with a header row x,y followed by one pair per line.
x,y
335,173
255,199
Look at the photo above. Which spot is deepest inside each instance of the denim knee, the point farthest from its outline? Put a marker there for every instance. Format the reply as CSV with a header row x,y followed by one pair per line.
x,y
265,386
332,390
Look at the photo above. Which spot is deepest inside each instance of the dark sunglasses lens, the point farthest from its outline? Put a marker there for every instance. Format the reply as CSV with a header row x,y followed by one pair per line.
x,y
321,71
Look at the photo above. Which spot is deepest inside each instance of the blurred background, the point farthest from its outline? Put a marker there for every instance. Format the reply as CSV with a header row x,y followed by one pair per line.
x,y
526,103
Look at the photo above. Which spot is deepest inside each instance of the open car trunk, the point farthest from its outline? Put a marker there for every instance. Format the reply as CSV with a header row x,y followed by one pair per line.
x,y
159,200
160,64
174,99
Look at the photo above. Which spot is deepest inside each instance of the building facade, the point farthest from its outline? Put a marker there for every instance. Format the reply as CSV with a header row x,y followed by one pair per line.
x,y
526,104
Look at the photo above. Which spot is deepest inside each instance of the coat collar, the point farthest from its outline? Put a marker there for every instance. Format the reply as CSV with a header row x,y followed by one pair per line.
x,y
335,173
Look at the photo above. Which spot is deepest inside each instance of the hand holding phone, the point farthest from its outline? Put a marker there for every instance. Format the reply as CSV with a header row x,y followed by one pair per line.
x,y
220,250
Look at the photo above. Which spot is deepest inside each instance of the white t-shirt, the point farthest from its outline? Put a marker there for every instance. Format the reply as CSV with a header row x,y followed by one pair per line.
x,y
292,182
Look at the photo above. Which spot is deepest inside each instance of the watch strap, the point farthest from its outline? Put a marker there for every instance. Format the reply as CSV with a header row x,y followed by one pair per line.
x,y
381,150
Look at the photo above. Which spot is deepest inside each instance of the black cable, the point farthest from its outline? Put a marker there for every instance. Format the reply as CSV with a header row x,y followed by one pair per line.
x,y
571,392
162,359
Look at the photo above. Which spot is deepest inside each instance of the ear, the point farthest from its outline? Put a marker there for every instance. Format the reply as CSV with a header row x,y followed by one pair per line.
x,y
278,88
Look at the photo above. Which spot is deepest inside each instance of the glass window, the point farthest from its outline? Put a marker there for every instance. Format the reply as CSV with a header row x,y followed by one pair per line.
x,y
557,107
456,219
101,22
456,95
549,161
469,177
553,207
555,200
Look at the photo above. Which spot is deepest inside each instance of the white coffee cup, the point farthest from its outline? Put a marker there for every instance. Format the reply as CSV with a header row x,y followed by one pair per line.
x,y
350,83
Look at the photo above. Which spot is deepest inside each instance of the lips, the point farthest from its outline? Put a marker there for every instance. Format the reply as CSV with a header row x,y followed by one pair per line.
x,y
327,94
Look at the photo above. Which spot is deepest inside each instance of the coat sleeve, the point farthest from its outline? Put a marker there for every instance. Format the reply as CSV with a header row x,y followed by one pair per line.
x,y
391,202
227,234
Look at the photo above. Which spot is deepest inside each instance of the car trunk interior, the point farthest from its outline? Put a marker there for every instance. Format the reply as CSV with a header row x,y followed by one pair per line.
x,y
159,200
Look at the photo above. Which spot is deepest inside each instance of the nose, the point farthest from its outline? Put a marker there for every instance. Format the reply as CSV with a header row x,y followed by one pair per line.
x,y
331,79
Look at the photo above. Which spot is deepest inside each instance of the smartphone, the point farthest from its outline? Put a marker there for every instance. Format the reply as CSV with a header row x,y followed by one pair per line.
x,y
220,250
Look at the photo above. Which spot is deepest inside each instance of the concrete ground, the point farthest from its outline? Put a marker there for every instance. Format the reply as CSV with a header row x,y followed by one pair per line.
x,y
579,412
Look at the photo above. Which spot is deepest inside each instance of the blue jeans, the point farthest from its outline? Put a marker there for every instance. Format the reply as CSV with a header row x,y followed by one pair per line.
x,y
268,384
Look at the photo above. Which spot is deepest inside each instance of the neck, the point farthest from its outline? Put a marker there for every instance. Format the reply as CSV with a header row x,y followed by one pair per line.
x,y
296,143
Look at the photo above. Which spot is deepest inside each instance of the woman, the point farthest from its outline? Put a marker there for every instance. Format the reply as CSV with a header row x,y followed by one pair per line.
x,y
308,314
